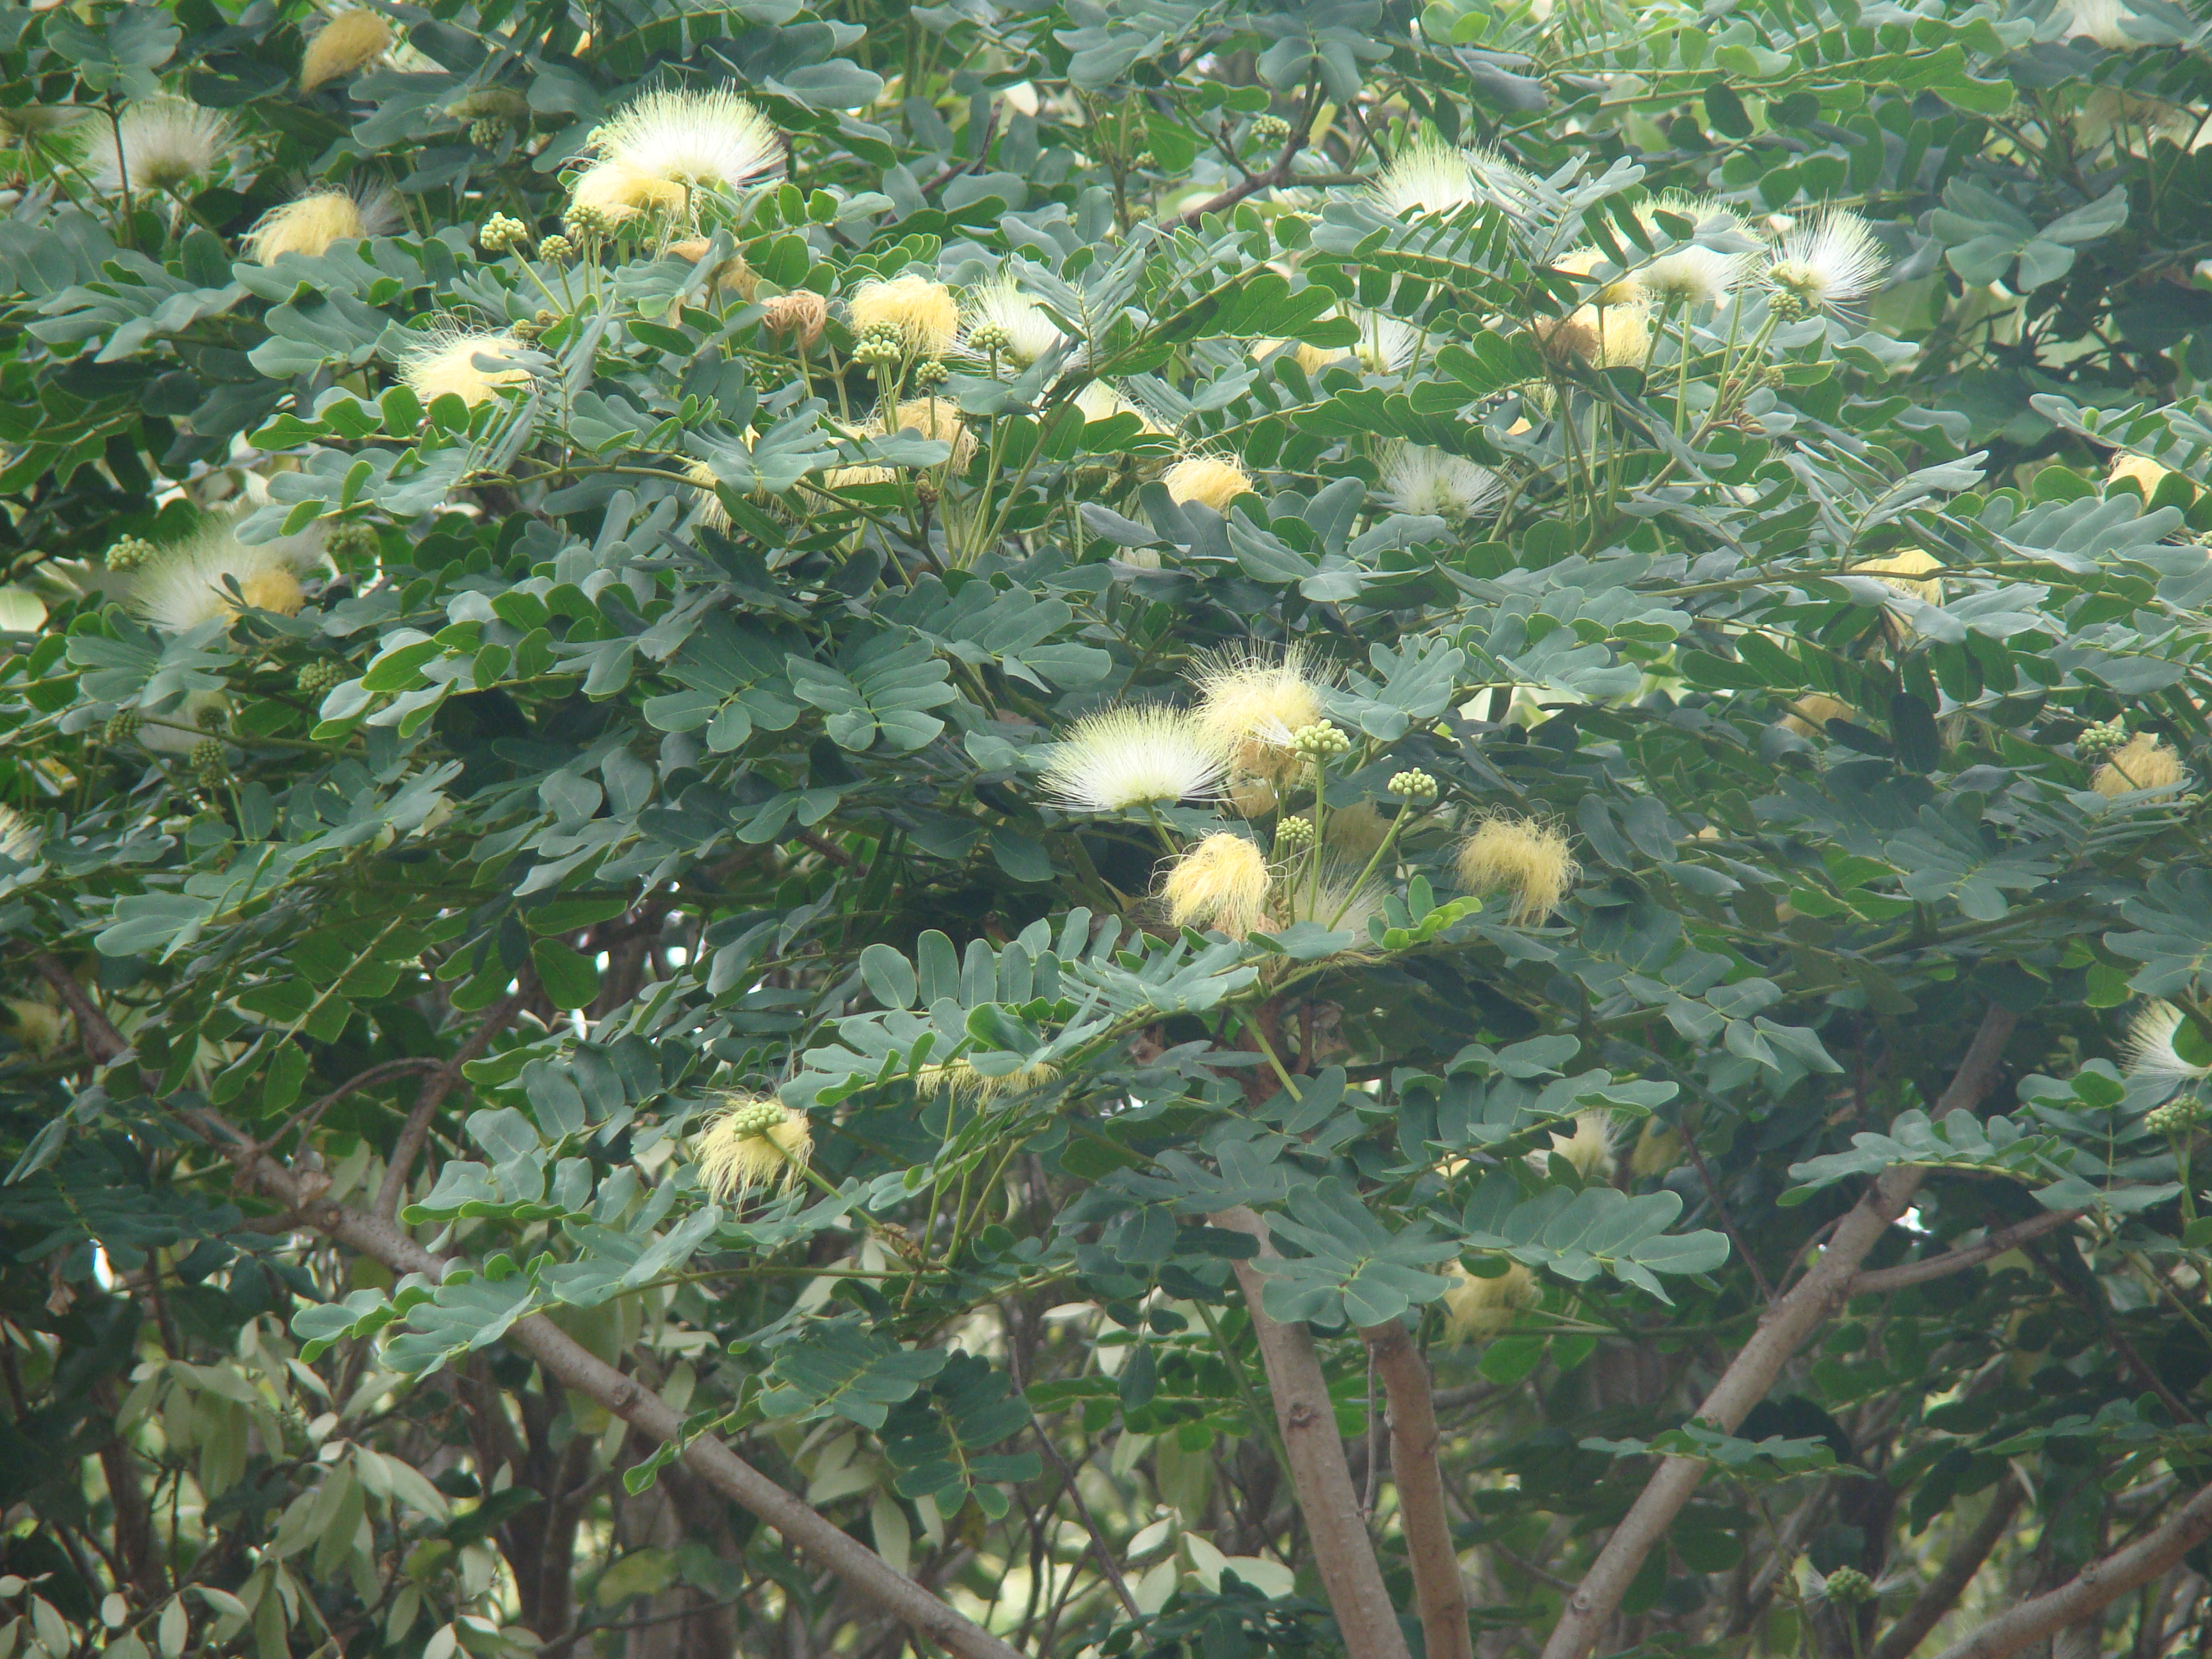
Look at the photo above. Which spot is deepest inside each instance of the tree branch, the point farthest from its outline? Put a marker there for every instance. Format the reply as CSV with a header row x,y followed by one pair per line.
x,y
1342,1549
1809,1303
1251,183
1942,1592
1972,1255
568,1362
1438,1591
2097,1586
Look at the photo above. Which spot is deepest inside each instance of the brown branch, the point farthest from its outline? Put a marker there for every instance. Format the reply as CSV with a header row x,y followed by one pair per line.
x,y
1251,183
1439,1592
1323,1481
1971,1255
416,1130
568,1362
1807,1305
2096,1587
1942,1592
102,1041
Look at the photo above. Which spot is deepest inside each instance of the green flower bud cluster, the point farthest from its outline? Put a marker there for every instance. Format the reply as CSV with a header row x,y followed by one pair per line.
x,y
486,133
931,375
557,248
584,219
757,1118
1414,786
128,553
501,233
2096,742
1848,1586
316,678
989,337
879,344
1293,833
2174,1118
1268,129
353,540
122,727
213,718
1320,742
209,763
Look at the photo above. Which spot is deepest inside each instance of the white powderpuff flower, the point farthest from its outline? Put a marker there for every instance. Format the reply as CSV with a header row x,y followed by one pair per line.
x,y
175,730
465,362
1430,482
182,587
623,192
1147,755
1211,481
1430,176
1252,700
1101,400
309,224
2103,22
1023,330
1693,274
2149,1047
754,1141
1589,1149
1829,260
1476,1309
1386,345
712,140
164,143
19,836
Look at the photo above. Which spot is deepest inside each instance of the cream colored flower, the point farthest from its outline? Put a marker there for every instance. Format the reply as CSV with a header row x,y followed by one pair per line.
x,y
2141,471
1355,832
1431,482
1529,862
1386,345
1142,756
960,1079
1428,176
40,1029
309,224
1658,1149
1896,570
711,140
921,312
1828,261
755,1141
2104,21
1100,400
1811,714
165,142
1000,312
1588,1149
623,192
1211,481
1694,274
1222,882
1621,288
349,42
1478,1309
1251,700
2148,1050
188,584
940,418
466,363
2144,763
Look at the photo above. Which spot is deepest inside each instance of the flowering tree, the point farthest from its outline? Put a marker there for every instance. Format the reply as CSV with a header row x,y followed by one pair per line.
x,y
1105,828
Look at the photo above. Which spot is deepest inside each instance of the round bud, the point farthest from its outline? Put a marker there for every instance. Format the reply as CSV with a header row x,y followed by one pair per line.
x,y
353,540
206,759
128,553
500,233
584,219
211,718
2098,741
757,1118
931,375
1413,786
879,342
557,248
989,337
316,678
1292,834
122,727
486,133
1269,129
1320,742
1848,1586
2177,1116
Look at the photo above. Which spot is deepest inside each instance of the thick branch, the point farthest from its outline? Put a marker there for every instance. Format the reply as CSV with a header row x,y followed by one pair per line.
x,y
1438,1589
1972,1255
2098,1585
1342,1549
1809,1304
1950,1582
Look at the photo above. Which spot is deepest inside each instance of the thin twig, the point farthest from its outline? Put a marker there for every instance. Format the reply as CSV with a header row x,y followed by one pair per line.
x,y
416,1130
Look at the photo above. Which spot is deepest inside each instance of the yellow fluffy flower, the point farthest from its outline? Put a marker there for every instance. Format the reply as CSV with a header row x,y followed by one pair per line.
x,y
922,312
960,1079
1478,1309
710,140
1624,289
1896,570
2144,763
755,1141
19,836
1221,883
1531,862
938,418
1587,1148
447,362
623,192
188,584
1811,714
309,224
39,1028
1209,480
1658,1149
349,41
1251,701
2141,471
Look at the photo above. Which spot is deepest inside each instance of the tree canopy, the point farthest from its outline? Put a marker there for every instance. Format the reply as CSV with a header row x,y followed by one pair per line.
x,y
1090,828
